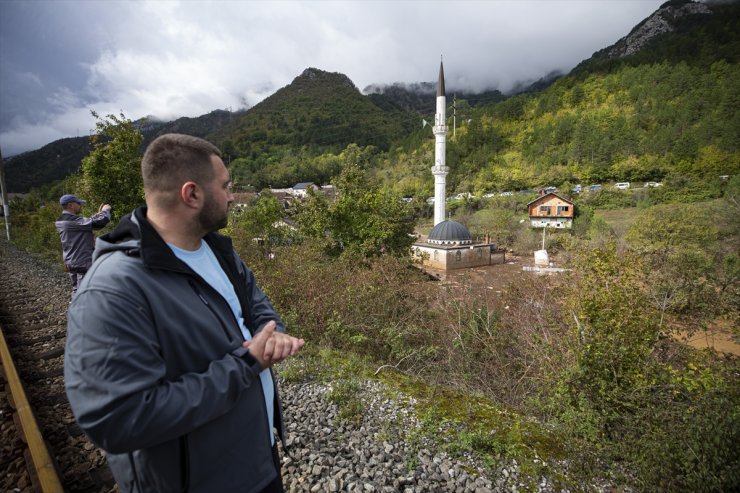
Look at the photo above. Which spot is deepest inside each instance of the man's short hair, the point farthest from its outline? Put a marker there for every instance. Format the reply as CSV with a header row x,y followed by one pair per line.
x,y
173,159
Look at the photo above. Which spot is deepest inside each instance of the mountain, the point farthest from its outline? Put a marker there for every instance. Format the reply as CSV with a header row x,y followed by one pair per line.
x,y
660,103
662,98
680,30
667,19
201,126
63,157
539,85
54,161
321,110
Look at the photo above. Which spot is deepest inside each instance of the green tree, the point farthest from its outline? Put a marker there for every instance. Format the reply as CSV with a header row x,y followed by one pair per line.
x,y
261,220
111,173
364,220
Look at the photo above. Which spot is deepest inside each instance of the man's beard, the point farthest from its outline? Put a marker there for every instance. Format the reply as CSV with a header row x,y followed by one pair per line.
x,y
211,218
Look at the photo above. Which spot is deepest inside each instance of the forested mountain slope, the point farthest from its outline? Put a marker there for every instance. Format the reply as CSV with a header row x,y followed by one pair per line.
x,y
660,101
62,158
318,109
669,108
318,112
666,105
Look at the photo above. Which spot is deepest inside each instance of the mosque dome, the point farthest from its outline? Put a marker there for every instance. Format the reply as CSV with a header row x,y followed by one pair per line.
x,y
450,233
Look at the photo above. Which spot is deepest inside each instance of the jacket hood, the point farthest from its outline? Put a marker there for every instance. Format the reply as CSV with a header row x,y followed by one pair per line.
x,y
125,236
137,238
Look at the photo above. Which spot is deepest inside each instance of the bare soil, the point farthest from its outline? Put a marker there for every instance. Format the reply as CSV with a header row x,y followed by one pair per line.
x,y
496,278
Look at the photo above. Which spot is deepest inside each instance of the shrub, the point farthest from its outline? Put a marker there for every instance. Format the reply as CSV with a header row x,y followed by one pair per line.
x,y
35,232
378,307
615,328
685,430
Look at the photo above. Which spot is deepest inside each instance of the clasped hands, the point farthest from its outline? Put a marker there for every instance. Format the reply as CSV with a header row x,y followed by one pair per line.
x,y
269,346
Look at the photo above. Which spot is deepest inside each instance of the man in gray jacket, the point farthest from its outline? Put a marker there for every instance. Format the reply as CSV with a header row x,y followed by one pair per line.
x,y
76,233
170,340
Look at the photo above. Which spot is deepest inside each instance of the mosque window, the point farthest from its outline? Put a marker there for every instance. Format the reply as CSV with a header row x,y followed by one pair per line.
x,y
458,256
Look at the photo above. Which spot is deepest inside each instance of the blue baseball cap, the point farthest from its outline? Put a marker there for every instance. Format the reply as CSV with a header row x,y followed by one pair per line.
x,y
66,199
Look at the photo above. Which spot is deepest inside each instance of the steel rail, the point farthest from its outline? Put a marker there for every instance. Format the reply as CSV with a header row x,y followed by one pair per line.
x,y
49,481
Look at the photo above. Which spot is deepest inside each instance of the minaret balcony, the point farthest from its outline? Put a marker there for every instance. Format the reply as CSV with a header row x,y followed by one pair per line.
x,y
440,170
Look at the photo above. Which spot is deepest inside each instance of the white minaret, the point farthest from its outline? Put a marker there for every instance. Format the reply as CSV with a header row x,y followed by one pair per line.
x,y
439,170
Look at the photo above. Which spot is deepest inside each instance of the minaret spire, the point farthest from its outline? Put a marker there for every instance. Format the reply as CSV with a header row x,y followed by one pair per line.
x,y
439,170
441,81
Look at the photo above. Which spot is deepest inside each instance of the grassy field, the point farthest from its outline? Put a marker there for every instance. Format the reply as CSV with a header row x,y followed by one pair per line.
x,y
619,220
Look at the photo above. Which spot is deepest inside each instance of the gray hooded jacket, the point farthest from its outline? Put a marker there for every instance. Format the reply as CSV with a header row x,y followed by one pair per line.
x,y
78,242
156,373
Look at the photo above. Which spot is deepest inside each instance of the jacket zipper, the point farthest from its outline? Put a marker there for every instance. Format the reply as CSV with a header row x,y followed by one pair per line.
x,y
270,433
212,310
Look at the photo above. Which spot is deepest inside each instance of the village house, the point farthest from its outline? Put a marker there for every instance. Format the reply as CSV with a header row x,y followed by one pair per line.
x,y
300,190
551,211
242,199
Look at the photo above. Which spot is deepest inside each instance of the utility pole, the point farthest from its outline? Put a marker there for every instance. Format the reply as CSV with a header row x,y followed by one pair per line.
x,y
543,235
4,191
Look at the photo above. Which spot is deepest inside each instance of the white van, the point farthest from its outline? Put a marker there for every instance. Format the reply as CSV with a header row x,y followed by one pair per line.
x,y
623,185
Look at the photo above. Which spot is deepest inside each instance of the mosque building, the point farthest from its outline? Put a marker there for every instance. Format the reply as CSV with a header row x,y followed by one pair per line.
x,y
449,245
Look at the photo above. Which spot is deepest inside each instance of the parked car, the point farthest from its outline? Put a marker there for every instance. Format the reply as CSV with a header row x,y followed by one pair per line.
x,y
506,194
551,189
577,189
653,184
624,185
594,188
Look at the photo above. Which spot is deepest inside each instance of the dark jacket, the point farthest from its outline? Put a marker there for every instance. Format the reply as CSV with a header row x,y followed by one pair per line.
x,y
78,242
155,371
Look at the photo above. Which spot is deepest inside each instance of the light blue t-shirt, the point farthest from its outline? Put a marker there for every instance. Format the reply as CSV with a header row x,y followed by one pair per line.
x,y
204,263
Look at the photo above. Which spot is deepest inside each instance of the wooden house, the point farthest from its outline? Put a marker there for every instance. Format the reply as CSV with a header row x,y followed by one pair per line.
x,y
552,211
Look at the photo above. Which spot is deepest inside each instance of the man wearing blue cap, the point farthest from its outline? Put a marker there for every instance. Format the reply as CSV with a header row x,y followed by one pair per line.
x,y
76,233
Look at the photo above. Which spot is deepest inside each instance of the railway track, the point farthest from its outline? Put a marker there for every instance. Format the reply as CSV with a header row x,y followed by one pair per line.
x,y
33,308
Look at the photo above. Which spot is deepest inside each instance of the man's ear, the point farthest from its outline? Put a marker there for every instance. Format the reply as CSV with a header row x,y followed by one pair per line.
x,y
191,194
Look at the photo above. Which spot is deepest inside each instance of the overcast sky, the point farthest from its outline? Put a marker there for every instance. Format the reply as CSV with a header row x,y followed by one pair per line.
x,y
61,59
